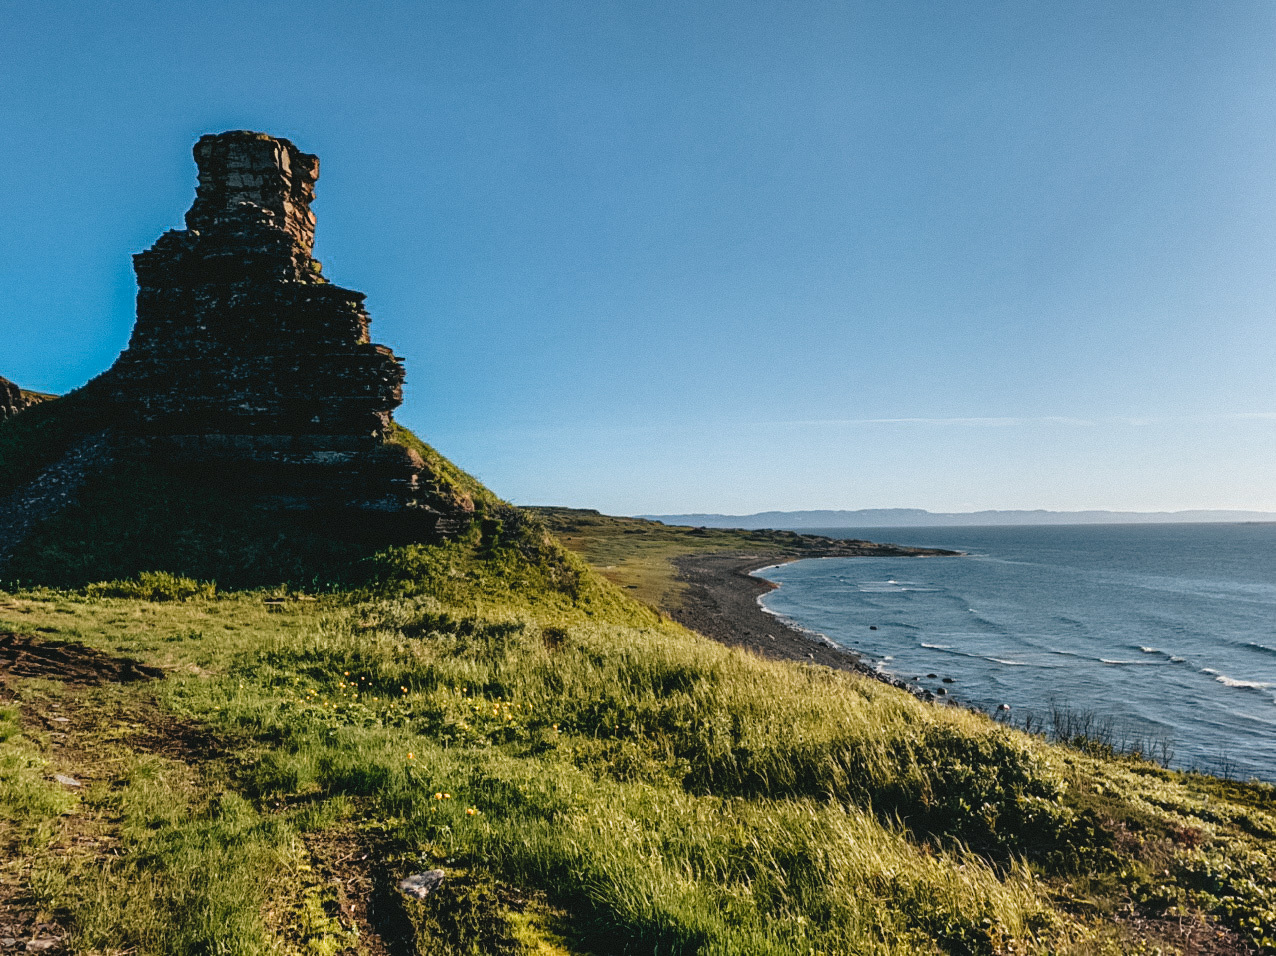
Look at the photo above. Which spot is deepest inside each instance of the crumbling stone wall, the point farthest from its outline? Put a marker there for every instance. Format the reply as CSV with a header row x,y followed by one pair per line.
x,y
246,364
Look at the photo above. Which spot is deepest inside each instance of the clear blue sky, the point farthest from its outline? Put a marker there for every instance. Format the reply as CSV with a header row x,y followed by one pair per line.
x,y
723,256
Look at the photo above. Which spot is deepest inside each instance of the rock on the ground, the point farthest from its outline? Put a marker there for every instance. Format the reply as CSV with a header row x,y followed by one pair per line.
x,y
13,400
421,885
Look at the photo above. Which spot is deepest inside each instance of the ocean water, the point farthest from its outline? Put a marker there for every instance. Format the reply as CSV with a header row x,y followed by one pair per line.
x,y
1169,631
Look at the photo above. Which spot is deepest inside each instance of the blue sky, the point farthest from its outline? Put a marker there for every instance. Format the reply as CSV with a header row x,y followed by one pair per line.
x,y
677,256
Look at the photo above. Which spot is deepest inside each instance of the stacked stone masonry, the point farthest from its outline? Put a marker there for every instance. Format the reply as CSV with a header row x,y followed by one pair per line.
x,y
249,366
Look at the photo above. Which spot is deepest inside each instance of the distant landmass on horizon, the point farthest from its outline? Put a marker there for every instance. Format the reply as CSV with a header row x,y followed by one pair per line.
x,y
920,518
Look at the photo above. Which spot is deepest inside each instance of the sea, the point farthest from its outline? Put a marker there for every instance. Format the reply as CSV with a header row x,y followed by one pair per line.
x,y
1161,637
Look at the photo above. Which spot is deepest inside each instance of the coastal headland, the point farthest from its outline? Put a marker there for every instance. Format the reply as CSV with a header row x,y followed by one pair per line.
x,y
703,578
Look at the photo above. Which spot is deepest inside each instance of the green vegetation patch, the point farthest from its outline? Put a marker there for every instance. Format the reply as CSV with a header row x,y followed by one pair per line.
x,y
591,782
638,554
589,777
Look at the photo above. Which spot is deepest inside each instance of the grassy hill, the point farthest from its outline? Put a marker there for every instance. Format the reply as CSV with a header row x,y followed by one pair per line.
x,y
641,555
313,717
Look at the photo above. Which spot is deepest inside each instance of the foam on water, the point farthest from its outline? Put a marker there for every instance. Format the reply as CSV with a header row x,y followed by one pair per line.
x,y
1239,684
1082,615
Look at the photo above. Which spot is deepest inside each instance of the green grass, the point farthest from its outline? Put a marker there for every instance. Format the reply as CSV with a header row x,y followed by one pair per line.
x,y
592,777
29,806
639,555
661,793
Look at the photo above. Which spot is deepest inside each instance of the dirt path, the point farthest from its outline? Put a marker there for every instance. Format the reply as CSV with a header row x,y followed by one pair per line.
x,y
86,735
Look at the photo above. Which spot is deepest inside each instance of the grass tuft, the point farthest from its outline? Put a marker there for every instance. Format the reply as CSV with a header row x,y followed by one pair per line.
x,y
154,586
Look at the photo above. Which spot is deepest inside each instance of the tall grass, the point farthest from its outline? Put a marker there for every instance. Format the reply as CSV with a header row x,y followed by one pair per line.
x,y
664,793
732,724
490,706
674,795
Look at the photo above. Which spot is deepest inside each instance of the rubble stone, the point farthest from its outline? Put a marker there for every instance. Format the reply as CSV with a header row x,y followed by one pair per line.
x,y
13,400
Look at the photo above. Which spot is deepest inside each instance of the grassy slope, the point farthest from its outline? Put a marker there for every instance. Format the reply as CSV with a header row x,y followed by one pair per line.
x,y
592,777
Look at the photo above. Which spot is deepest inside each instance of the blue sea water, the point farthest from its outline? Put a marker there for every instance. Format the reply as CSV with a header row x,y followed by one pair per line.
x,y
1168,630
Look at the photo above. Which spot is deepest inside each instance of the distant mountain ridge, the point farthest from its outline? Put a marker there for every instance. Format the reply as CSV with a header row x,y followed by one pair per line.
x,y
920,518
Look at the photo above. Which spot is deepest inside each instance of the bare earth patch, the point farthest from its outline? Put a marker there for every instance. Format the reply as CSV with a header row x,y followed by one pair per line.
x,y
24,656
348,865
1194,935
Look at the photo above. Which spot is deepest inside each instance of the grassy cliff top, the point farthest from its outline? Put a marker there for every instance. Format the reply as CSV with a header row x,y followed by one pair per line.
x,y
639,554
311,720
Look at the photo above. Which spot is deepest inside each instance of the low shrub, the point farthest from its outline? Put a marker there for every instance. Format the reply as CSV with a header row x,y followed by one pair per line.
x,y
154,586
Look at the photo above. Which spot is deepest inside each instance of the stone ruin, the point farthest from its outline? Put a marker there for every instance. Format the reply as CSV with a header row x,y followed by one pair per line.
x,y
13,400
247,366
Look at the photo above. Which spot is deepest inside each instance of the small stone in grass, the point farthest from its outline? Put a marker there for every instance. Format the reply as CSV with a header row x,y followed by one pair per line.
x,y
422,885
66,781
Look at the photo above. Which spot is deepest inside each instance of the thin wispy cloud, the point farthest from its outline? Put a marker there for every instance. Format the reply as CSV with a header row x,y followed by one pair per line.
x,y
1004,421
999,421
1214,418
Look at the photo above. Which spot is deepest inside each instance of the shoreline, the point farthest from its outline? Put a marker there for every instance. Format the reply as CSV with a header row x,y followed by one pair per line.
x,y
723,602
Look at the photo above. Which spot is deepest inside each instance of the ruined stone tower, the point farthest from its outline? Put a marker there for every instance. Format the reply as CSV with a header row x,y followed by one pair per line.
x,y
247,366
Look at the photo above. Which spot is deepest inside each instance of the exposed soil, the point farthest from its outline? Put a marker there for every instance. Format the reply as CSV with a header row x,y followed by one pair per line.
x,y
74,723
1191,935
21,928
348,863
25,656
